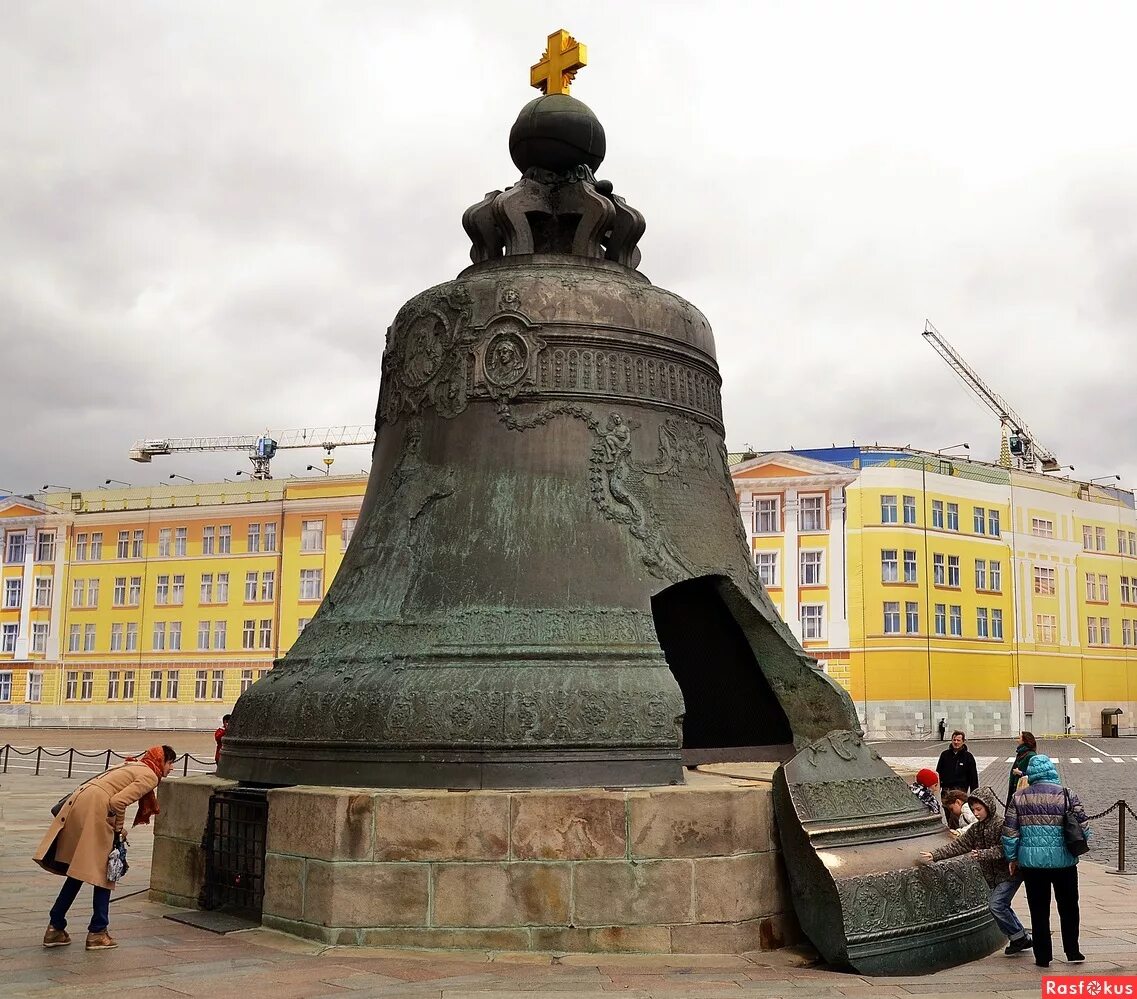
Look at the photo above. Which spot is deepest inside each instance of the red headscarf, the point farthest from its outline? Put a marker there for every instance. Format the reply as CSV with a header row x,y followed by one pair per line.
x,y
155,759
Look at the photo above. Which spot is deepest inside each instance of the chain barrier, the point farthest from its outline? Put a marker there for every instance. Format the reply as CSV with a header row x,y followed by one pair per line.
x,y
1112,808
106,755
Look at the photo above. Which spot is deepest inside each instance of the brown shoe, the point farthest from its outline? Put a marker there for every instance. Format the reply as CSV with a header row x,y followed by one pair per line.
x,y
101,941
56,938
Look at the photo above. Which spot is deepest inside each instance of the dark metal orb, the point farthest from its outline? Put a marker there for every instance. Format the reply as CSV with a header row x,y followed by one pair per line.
x,y
557,133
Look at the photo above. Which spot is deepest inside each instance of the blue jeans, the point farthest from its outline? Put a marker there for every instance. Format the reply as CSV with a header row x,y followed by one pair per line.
x,y
1000,905
102,916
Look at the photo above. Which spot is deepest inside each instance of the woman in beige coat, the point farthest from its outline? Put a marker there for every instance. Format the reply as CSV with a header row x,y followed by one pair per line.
x,y
82,835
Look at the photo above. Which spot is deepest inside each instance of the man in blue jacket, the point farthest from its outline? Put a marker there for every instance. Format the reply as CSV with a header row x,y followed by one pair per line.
x,y
1034,842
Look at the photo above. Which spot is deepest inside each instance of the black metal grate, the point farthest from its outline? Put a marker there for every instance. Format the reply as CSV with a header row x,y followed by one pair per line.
x,y
235,851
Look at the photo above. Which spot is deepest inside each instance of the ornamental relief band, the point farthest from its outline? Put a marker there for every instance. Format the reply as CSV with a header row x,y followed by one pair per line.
x,y
596,714
499,627
894,900
846,798
435,358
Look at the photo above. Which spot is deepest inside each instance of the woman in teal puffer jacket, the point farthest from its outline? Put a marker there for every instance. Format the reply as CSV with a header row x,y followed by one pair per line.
x,y
1034,843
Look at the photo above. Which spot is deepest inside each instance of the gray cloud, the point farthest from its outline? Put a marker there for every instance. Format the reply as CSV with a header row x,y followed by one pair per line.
x,y
211,213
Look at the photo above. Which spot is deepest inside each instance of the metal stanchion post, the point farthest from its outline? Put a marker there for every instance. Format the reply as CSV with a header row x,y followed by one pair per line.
x,y
70,761
108,765
39,754
185,764
1122,808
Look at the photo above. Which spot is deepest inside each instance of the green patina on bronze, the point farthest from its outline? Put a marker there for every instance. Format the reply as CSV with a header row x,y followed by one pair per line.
x,y
550,536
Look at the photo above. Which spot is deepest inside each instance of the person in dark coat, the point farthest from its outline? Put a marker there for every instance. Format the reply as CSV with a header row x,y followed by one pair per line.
x,y
957,767
1024,753
1034,841
983,840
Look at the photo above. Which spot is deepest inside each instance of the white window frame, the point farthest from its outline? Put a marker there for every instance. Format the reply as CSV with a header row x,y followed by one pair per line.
x,y
813,573
767,515
312,535
891,617
812,618
311,584
13,592
889,565
888,512
811,514
764,560
940,619
909,515
911,617
955,620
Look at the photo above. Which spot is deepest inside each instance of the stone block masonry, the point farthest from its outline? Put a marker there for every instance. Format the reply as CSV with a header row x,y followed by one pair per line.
x,y
685,869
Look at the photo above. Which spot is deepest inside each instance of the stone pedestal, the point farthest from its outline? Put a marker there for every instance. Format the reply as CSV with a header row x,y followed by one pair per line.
x,y
684,869
177,871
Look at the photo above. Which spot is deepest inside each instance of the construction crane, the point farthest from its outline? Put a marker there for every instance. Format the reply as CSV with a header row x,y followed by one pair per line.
x,y
261,448
1023,445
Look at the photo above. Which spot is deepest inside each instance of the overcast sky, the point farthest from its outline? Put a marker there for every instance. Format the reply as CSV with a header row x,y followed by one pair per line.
x,y
210,212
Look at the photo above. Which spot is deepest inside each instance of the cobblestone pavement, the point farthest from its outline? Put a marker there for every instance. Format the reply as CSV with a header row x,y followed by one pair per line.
x,y
158,957
1101,771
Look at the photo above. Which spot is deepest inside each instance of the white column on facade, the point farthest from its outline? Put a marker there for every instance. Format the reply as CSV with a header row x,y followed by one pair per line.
x,y
1026,590
746,509
51,651
23,640
835,571
1066,595
791,610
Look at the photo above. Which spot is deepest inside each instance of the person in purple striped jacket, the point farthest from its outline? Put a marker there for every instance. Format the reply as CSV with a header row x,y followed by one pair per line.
x,y
1035,845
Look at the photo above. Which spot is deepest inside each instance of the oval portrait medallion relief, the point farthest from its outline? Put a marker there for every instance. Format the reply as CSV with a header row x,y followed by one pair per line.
x,y
427,337
507,359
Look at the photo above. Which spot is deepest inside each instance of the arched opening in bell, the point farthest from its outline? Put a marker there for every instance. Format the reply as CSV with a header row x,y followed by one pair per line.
x,y
732,714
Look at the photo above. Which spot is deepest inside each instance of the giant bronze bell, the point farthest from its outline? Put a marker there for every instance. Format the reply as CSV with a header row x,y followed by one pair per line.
x,y
549,583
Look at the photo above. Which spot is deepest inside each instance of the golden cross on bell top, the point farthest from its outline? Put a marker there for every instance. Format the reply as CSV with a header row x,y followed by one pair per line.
x,y
562,57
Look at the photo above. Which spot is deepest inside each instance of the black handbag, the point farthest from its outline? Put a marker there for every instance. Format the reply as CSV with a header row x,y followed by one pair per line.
x,y
1072,832
58,806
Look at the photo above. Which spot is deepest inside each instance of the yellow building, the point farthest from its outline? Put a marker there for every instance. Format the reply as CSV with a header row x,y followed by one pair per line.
x,y
931,587
935,587
158,607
